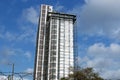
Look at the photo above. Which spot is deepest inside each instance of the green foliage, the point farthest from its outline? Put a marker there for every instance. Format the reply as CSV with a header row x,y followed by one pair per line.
x,y
64,78
83,74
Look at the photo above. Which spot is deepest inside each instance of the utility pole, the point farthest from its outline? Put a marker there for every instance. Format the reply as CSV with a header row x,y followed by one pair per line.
x,y
9,77
12,75
12,71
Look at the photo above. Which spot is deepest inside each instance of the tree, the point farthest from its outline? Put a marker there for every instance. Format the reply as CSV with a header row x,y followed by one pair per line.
x,y
85,74
64,78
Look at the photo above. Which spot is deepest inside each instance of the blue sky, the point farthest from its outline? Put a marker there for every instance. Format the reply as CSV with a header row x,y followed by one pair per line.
x,y
98,28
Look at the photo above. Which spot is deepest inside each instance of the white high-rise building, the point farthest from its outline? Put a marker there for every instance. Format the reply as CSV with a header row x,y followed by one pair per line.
x,y
55,45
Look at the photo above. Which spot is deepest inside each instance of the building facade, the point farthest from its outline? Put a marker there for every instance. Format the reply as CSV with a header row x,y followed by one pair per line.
x,y
55,45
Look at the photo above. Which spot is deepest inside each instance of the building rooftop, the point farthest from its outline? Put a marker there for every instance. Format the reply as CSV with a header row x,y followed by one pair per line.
x,y
62,15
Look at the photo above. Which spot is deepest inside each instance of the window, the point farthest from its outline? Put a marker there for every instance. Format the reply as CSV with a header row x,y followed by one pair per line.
x,y
53,59
42,27
53,36
52,70
41,51
53,65
53,41
43,7
54,21
41,31
41,37
39,63
42,23
62,21
43,11
43,18
39,74
53,47
52,77
41,46
53,32
53,52
54,26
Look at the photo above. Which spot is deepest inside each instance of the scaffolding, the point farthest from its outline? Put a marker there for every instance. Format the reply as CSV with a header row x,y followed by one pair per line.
x,y
76,64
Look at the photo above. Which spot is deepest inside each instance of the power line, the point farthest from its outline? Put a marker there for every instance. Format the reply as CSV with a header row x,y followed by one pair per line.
x,y
20,74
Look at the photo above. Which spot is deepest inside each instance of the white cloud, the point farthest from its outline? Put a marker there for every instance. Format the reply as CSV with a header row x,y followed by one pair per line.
x,y
100,50
105,59
28,55
7,54
18,76
58,7
99,17
29,70
1,36
31,15
3,77
4,61
15,78
26,33
112,74
6,51
10,36
7,35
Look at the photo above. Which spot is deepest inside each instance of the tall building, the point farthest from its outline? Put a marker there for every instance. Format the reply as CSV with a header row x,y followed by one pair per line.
x,y
55,45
